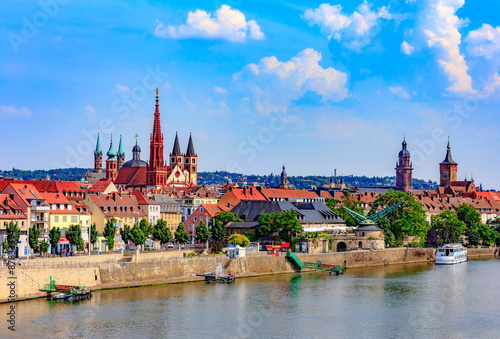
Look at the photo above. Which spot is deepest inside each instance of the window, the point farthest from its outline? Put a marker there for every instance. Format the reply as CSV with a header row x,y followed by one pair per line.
x,y
33,194
189,227
61,207
70,207
73,219
65,218
56,218
195,219
201,209
21,190
1,212
53,206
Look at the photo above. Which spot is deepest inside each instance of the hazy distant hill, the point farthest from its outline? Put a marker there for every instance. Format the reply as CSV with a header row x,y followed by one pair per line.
x,y
222,177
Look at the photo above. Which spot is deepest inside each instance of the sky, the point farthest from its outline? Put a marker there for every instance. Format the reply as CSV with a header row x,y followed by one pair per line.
x,y
318,86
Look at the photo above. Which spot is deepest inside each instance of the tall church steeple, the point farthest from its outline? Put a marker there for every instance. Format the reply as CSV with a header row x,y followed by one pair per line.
x,y
156,174
98,157
284,179
448,168
404,180
191,162
111,164
120,155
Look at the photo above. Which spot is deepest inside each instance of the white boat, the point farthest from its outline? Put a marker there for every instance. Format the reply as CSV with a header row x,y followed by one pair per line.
x,y
451,254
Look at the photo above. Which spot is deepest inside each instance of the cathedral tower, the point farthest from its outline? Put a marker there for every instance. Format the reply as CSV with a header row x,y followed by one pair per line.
x,y
284,179
121,155
448,168
98,157
191,162
176,157
404,181
111,164
156,174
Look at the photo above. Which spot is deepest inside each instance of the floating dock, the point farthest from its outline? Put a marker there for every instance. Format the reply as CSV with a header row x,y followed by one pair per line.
x,y
220,275
67,292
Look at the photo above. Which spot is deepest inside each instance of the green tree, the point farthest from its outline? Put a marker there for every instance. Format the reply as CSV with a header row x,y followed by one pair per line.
x,y
13,235
469,215
93,235
473,237
54,236
289,226
137,236
109,233
218,230
181,236
146,227
202,232
448,226
267,225
406,220
74,236
351,202
5,246
44,246
161,232
238,239
34,235
433,237
125,234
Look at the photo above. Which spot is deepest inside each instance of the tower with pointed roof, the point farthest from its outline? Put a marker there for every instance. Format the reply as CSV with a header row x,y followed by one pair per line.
x,y
156,174
176,156
120,155
284,179
98,157
448,168
404,169
111,162
191,162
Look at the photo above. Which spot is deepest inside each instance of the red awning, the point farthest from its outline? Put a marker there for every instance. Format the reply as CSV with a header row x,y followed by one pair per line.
x,y
285,244
63,240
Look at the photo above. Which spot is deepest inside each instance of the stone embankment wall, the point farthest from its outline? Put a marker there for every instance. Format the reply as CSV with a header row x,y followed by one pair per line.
x,y
114,271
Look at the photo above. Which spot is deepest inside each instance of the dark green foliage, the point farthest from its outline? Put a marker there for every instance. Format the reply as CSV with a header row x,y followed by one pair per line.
x,y
93,234
74,236
125,233
33,238
407,220
137,236
72,174
218,229
286,225
469,215
202,232
181,236
5,246
161,232
44,246
448,226
13,235
146,227
432,238
54,236
351,203
109,233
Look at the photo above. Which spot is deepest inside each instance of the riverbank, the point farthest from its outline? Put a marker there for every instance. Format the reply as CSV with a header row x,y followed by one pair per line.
x,y
114,271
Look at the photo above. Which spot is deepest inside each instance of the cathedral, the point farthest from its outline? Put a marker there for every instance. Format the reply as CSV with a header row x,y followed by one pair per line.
x,y
136,173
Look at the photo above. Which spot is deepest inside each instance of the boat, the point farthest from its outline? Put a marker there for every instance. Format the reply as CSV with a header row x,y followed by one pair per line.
x,y
451,254
65,292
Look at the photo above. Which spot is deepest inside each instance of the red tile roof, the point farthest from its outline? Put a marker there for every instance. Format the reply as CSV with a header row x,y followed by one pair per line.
x,y
288,193
9,208
131,177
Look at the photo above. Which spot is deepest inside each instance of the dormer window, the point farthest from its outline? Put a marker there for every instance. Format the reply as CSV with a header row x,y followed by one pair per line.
x,y
54,206
69,207
61,207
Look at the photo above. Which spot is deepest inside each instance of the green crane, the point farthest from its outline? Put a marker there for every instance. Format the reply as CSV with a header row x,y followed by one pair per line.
x,y
373,219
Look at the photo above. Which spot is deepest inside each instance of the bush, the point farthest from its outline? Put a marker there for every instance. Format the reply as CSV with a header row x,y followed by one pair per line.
x,y
238,239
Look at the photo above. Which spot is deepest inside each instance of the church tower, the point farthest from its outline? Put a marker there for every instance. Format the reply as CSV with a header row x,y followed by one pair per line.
x,y
121,155
111,164
191,162
448,168
284,179
404,180
156,174
176,157
98,157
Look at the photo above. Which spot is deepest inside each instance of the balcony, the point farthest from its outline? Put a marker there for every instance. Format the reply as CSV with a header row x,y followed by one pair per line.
x,y
38,218
40,208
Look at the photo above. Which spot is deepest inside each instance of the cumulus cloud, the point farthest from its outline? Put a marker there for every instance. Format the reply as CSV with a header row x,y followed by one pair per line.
x,y
122,89
13,112
484,41
219,90
440,26
400,92
354,31
276,83
406,48
90,113
226,24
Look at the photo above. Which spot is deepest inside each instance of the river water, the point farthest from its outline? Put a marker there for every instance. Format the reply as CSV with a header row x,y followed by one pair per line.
x,y
416,301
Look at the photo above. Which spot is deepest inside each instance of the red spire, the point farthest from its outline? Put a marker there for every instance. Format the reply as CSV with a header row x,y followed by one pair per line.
x,y
156,162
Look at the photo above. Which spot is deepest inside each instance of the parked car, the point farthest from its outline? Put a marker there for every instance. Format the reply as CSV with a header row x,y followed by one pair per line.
x,y
182,246
170,245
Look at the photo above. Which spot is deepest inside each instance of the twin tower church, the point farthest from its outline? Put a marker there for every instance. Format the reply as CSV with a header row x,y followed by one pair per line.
x,y
136,173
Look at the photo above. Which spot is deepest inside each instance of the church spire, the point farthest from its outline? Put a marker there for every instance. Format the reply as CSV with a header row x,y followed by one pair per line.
x,y
120,147
156,174
121,154
176,151
98,157
98,146
111,152
190,150
284,179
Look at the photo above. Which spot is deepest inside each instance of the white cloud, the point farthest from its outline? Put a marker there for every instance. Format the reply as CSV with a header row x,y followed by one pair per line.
x,y
354,31
338,127
406,48
219,90
484,41
275,83
226,24
440,26
90,113
399,92
122,89
57,39
13,112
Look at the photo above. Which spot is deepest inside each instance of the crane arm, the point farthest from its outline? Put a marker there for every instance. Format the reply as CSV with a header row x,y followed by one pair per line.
x,y
355,215
379,215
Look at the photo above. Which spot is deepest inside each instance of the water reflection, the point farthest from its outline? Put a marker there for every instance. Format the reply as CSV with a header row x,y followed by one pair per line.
x,y
392,301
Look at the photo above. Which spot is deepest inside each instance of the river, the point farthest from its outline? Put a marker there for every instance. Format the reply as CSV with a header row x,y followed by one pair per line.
x,y
417,301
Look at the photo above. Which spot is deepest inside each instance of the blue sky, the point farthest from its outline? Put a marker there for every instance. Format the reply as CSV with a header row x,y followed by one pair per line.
x,y
321,86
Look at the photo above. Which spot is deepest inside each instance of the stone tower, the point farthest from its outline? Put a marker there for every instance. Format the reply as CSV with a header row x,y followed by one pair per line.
x,y
448,168
98,157
191,162
156,174
176,157
284,179
111,163
404,180
120,155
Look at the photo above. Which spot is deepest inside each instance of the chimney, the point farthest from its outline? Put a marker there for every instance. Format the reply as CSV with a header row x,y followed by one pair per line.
x,y
11,196
251,191
244,190
6,202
